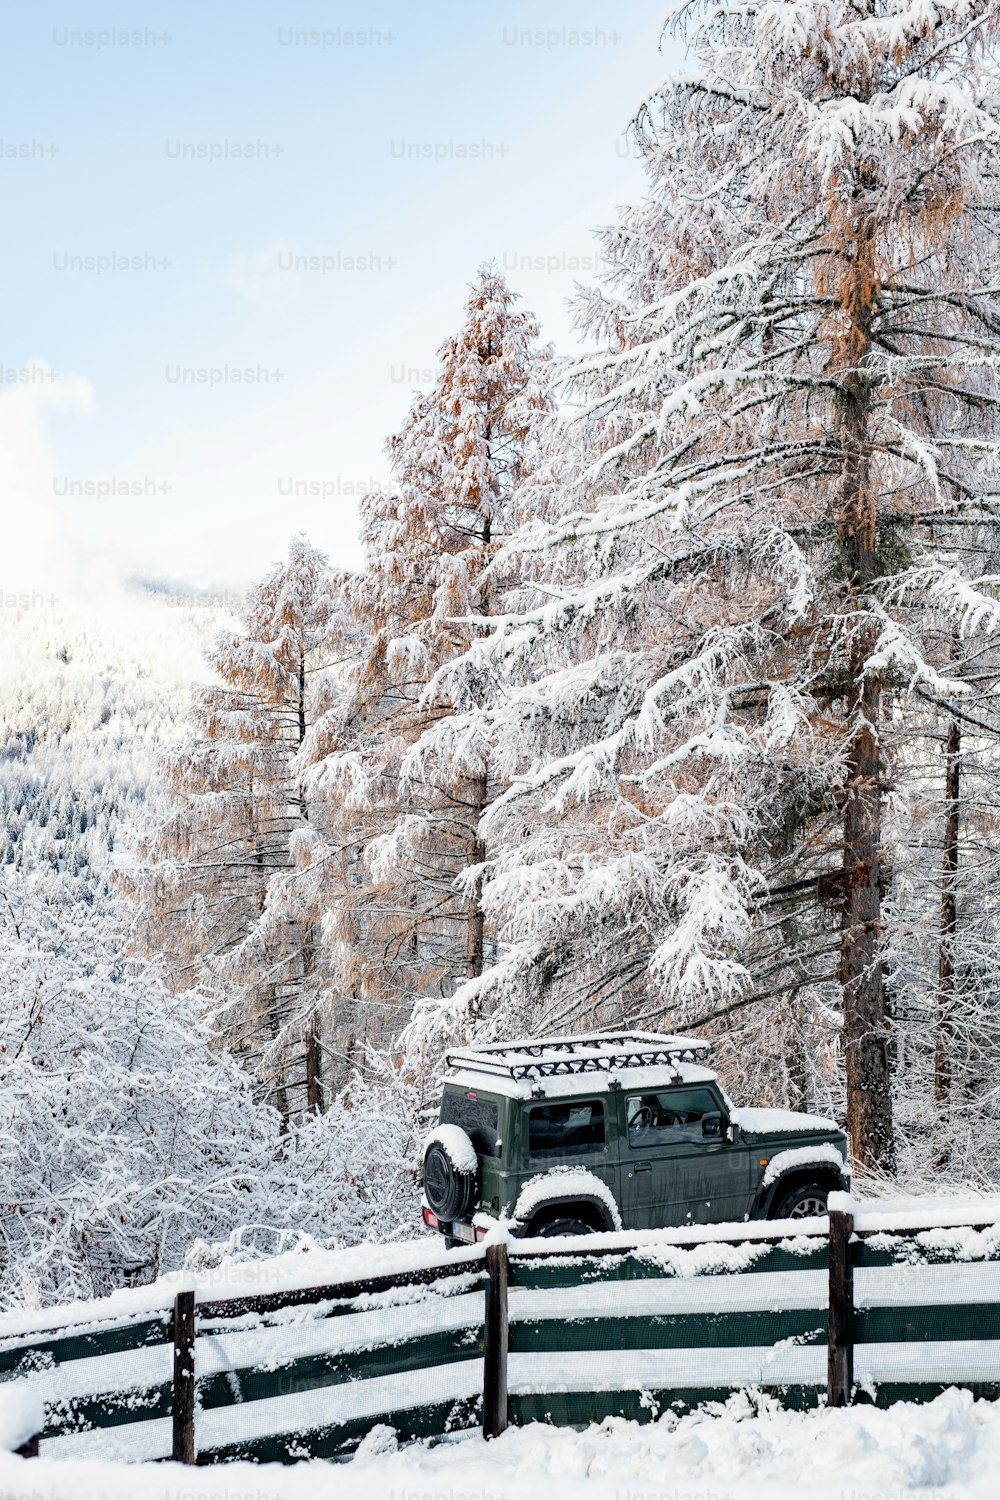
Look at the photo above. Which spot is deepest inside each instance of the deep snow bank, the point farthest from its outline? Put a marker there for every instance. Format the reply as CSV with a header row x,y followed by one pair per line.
x,y
739,1451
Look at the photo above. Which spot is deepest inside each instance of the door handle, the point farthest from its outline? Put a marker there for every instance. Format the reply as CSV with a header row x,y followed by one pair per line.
x,y
643,1166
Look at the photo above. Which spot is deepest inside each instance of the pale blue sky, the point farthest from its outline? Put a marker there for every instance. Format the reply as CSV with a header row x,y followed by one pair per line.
x,y
547,116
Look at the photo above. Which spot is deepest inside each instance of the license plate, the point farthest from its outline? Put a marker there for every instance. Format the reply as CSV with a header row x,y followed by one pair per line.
x,y
464,1232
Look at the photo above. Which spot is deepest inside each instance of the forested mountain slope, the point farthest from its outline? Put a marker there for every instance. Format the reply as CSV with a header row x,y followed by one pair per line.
x,y
90,694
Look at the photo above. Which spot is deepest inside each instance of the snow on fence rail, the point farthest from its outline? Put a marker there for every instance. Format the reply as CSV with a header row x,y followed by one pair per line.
x,y
862,1305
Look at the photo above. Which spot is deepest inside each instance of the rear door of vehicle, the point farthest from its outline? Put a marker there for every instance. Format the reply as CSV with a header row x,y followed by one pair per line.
x,y
481,1116
675,1173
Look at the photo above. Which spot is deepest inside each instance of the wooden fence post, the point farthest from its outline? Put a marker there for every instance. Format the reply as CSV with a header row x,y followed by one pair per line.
x,y
183,1379
840,1325
28,1449
495,1353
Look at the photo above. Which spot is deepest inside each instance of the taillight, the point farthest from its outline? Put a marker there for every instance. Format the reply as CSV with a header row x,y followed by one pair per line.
x,y
481,1231
431,1218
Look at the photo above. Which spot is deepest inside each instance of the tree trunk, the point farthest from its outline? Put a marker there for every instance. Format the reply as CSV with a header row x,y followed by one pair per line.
x,y
949,917
271,1020
475,924
869,1103
797,1054
478,793
314,1078
281,1097
301,707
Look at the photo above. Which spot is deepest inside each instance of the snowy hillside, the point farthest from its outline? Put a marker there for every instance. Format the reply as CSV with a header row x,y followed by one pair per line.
x,y
90,692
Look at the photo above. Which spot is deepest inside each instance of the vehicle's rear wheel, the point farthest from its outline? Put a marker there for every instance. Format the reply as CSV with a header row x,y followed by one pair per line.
x,y
552,1228
806,1201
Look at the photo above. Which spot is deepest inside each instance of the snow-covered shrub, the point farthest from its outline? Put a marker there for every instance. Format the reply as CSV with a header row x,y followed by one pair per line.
x,y
128,1134
340,1178
124,1130
355,1166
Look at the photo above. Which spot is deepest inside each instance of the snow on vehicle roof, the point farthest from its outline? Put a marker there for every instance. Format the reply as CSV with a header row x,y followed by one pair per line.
x,y
573,1053
664,1075
606,1053
596,1042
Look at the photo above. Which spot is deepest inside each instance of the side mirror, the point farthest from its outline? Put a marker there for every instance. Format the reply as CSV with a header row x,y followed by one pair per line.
x,y
711,1127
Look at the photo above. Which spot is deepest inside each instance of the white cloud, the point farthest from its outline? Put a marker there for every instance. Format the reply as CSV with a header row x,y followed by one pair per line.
x,y
34,551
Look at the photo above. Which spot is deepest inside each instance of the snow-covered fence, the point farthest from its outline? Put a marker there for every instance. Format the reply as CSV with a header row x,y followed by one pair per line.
x,y
924,1301
628,1325
877,1306
867,1305
277,1375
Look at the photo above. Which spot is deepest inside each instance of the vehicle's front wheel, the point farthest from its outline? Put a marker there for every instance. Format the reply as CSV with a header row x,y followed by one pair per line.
x,y
807,1201
555,1227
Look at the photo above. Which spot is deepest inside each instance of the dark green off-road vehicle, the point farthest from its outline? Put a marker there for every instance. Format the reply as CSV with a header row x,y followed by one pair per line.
x,y
628,1130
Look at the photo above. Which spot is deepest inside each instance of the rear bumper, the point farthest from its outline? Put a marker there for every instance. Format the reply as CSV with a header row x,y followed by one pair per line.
x,y
465,1231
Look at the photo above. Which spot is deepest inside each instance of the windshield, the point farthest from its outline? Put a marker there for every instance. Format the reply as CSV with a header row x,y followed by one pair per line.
x,y
668,1118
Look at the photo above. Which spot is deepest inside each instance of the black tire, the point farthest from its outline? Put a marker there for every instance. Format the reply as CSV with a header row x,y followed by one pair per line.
x,y
805,1201
552,1228
448,1191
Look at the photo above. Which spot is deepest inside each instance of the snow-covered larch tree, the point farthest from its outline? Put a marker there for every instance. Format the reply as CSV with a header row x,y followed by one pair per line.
x,y
236,890
459,461
796,389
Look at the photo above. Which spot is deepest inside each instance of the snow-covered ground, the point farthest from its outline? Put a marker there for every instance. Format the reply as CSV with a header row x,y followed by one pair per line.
x,y
947,1450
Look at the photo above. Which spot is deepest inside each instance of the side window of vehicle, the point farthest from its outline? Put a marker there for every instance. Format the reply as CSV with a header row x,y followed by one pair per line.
x,y
668,1119
575,1129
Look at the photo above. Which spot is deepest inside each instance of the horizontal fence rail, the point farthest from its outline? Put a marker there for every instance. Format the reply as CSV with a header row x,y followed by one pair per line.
x,y
855,1306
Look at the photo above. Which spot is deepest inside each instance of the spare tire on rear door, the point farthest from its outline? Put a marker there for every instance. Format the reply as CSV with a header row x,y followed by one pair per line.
x,y
450,1169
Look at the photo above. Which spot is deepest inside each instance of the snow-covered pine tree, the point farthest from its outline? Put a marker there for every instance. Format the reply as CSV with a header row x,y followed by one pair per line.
x,y
236,868
796,389
464,451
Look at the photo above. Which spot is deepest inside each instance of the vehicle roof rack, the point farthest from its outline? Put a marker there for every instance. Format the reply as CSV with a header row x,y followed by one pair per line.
x,y
598,1052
